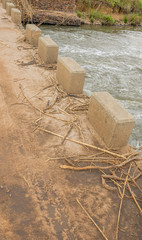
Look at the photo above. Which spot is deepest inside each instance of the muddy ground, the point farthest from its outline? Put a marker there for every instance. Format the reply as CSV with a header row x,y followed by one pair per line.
x,y
37,197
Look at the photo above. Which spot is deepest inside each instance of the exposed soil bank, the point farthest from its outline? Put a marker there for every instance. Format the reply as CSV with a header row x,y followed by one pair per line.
x,y
37,197
100,14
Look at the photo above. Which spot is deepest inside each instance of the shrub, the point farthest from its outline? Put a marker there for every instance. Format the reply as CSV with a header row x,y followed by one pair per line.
x,y
92,19
97,15
135,19
79,14
91,13
107,20
88,2
139,5
125,19
113,3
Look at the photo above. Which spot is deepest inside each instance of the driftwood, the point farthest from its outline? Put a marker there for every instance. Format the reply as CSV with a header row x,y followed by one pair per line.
x,y
99,167
121,202
134,198
38,109
3,43
84,144
92,219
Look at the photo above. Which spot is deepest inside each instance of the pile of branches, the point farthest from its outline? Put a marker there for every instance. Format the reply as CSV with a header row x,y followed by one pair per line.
x,y
26,9
118,172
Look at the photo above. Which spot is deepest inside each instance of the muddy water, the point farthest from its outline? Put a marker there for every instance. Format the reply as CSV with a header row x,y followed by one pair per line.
x,y
112,58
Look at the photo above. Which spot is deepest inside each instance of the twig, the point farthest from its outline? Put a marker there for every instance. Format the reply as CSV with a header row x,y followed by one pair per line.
x,y
107,186
67,134
114,177
134,179
28,63
92,219
1,42
121,202
133,196
97,167
83,144
41,111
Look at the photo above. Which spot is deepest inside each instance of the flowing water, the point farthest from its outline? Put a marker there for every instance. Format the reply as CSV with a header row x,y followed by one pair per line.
x,y
112,58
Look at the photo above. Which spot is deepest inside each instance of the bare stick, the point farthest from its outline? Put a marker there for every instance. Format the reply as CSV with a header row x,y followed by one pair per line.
x,y
83,144
3,43
134,179
114,177
67,134
133,196
121,202
97,167
107,186
92,219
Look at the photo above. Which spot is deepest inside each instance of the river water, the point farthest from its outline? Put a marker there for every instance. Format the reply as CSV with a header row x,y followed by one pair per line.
x,y
112,58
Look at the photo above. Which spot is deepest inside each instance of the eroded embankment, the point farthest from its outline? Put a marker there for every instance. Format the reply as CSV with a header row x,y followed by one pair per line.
x,y
38,198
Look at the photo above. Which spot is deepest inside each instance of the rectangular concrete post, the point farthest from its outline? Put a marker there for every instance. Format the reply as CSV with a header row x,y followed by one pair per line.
x,y
110,120
48,50
9,6
4,3
16,16
32,34
70,75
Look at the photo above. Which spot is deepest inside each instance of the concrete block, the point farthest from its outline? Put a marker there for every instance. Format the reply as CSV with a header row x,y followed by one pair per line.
x,y
4,3
110,120
32,34
48,50
16,16
9,6
70,75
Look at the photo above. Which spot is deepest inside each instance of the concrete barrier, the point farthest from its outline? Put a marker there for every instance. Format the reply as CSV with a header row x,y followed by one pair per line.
x,y
9,6
32,34
4,3
16,16
48,50
70,75
110,120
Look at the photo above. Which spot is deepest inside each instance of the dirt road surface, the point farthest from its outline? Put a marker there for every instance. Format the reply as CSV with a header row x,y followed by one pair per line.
x,y
37,197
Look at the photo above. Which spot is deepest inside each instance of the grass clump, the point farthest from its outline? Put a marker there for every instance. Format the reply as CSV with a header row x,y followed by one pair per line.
x,y
91,13
107,20
135,19
92,19
125,19
79,14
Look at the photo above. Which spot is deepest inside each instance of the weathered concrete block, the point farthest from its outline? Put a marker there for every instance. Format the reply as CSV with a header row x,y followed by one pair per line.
x,y
32,34
4,3
48,50
9,6
110,120
16,16
70,75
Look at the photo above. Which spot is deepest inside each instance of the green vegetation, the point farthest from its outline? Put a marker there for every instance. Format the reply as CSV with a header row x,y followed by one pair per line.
x,y
105,11
79,14
135,19
104,19
125,6
107,20
125,19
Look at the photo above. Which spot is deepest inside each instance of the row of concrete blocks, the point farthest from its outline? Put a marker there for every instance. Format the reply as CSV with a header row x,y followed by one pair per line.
x,y
109,119
13,11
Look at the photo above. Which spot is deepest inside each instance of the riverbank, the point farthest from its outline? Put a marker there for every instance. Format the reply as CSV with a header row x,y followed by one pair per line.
x,y
86,12
109,12
38,197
